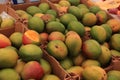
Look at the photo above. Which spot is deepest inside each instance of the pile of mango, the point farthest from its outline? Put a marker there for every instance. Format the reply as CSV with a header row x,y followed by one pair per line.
x,y
23,61
82,39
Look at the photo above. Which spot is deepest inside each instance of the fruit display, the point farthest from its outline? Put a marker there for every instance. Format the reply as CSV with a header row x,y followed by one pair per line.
x,y
83,40
24,61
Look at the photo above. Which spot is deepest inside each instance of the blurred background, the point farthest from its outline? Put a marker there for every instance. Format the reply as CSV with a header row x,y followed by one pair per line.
x,y
15,1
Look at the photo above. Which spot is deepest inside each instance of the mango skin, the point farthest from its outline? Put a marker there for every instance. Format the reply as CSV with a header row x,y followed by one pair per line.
x,y
73,43
108,31
102,17
7,23
94,73
8,57
4,41
114,52
56,35
113,75
91,49
115,42
19,66
50,77
96,32
57,49
90,62
89,19
46,66
114,25
9,74
105,56
32,70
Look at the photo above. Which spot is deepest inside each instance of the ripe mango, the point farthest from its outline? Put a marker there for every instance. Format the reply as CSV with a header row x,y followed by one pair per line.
x,y
94,73
32,70
4,41
73,43
7,23
57,49
91,49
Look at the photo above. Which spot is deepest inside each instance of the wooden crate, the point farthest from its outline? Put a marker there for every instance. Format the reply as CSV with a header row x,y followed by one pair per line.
x,y
114,65
25,5
28,3
18,26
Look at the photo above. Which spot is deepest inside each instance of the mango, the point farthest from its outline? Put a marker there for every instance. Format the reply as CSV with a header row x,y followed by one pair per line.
x,y
114,25
33,10
94,73
56,35
16,39
44,37
30,52
90,62
77,27
74,2
94,9
50,77
77,60
52,12
115,52
32,70
113,75
19,66
73,43
55,26
105,56
57,49
89,19
91,49
96,32
13,75
36,23
64,3
46,66
66,18
31,37
39,15
75,11
108,31
21,12
8,58
82,6
102,17
66,63
7,23
114,42
4,41
44,7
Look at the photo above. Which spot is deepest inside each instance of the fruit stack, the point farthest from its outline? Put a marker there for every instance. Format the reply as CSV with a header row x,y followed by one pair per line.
x,y
83,40
23,58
